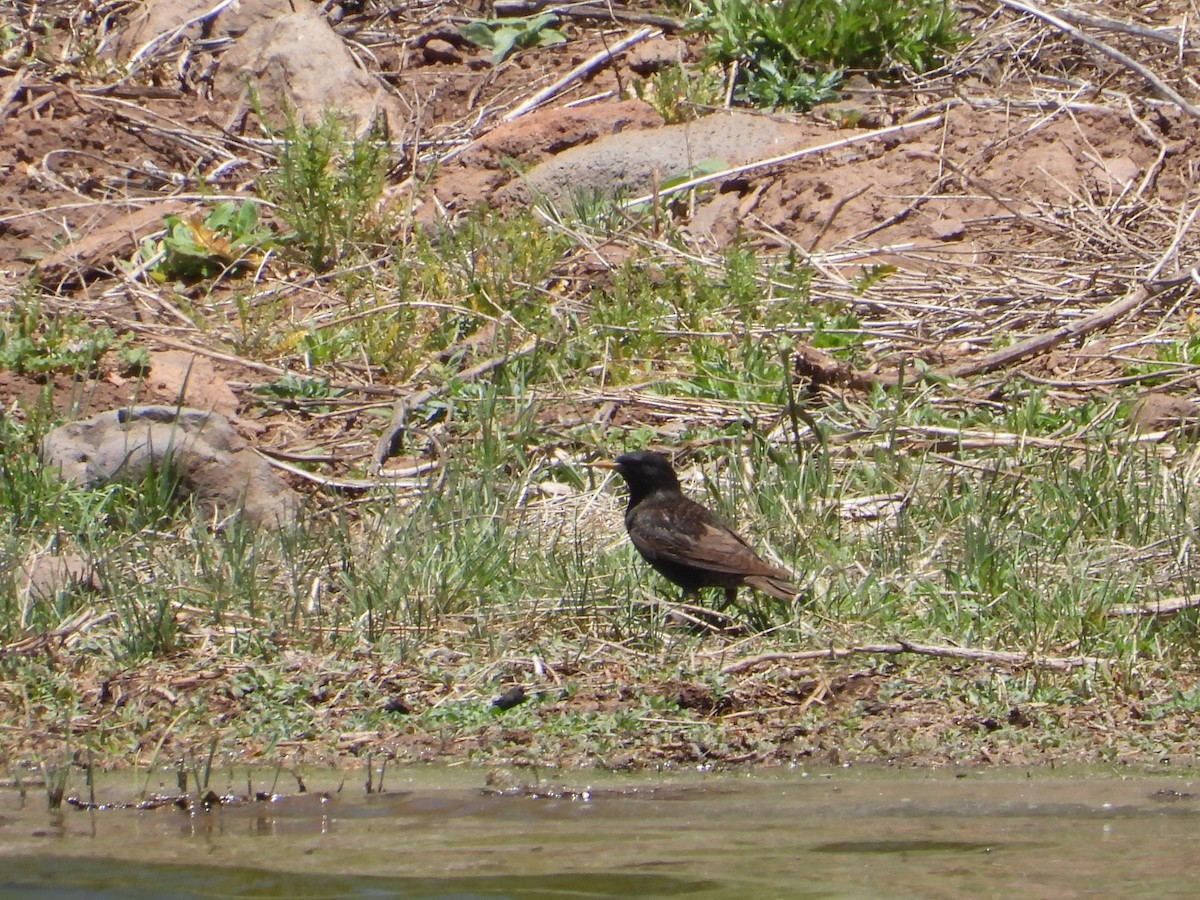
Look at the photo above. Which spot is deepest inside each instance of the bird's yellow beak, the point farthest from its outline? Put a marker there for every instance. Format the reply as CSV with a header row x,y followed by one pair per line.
x,y
604,464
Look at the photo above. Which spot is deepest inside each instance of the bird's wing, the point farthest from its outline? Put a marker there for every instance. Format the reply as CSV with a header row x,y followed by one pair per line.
x,y
661,534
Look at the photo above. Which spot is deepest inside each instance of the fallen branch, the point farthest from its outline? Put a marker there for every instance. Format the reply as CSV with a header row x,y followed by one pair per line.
x,y
820,368
1133,65
582,70
1161,607
1170,38
1055,663
15,83
1042,343
605,12
80,623
406,479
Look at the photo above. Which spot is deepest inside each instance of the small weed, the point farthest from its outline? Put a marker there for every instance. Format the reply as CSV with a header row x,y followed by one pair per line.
x,y
679,95
294,387
55,774
32,341
1185,351
135,361
492,268
503,36
287,390
325,186
773,85
675,200
792,53
871,276
227,239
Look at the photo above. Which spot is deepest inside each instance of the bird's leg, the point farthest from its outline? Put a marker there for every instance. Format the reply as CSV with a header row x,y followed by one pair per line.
x,y
730,597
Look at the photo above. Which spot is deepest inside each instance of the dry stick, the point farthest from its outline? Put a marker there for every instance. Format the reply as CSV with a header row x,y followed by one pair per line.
x,y
126,201
583,69
902,130
1111,52
1174,246
10,93
204,351
1057,663
170,36
822,369
1156,607
352,485
1150,34
930,193
833,214
1041,343
80,622
386,446
518,8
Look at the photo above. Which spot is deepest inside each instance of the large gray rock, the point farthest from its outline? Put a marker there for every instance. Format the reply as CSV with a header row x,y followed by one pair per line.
x,y
298,62
42,578
168,20
212,463
632,161
1163,412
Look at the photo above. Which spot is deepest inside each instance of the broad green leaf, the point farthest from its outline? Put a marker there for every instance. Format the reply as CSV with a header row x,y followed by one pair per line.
x,y
478,33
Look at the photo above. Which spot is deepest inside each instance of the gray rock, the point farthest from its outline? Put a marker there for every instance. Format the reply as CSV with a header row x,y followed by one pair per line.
x,y
211,461
631,161
164,18
1163,412
298,62
43,577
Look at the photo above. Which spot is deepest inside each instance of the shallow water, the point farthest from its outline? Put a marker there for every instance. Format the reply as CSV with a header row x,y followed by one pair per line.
x,y
847,833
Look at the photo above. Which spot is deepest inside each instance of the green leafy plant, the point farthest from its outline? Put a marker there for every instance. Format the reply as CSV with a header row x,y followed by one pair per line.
x,y
871,276
679,95
325,186
228,238
32,341
134,360
292,387
774,85
503,36
792,53
292,392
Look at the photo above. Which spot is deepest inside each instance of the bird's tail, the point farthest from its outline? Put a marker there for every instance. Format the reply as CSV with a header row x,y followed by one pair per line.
x,y
779,588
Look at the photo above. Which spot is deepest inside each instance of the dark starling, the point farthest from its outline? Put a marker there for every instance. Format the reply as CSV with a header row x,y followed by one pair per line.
x,y
510,697
686,542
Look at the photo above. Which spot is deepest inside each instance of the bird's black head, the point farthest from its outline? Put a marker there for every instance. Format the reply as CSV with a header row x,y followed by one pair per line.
x,y
646,472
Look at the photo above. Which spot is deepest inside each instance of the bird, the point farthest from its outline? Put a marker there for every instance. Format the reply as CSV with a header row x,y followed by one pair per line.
x,y
685,541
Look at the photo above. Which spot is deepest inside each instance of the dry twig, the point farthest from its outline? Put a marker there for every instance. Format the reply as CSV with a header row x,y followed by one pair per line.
x,y
1161,607
1004,657
582,70
1041,343
1164,89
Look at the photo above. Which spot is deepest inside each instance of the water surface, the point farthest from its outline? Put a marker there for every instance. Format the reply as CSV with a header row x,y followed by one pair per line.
x,y
847,833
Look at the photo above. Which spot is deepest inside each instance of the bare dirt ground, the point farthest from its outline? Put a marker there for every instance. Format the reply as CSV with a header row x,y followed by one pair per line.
x,y
1049,182
1029,185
